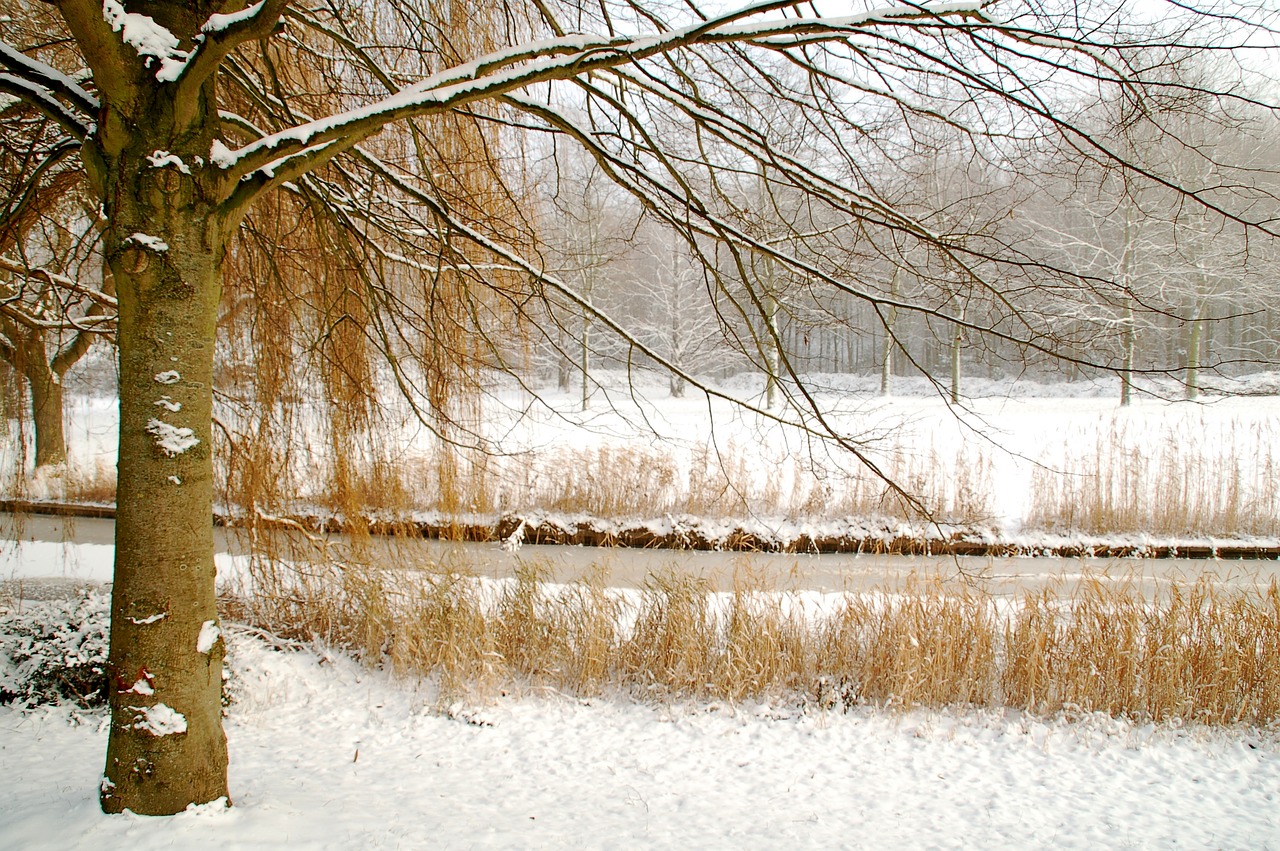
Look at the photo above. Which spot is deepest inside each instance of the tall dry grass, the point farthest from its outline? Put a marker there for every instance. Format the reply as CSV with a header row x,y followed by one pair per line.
x,y
615,481
1180,483
1198,652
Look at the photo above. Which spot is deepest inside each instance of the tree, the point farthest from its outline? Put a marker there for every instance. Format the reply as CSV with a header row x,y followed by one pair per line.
x,y
53,301
183,124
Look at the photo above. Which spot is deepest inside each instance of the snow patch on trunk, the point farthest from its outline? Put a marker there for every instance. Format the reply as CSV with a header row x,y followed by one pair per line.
x,y
154,43
209,633
163,159
147,241
140,687
172,440
171,376
159,720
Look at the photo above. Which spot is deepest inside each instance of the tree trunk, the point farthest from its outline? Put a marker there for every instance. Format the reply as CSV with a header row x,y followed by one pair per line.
x,y
1130,333
886,353
584,366
164,242
772,353
1130,350
957,340
46,410
1193,356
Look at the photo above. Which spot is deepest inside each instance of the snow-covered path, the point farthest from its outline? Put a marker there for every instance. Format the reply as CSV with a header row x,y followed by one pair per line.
x,y
326,754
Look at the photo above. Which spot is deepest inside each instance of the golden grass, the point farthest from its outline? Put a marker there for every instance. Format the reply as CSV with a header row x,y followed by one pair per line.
x,y
1198,652
1175,483
715,482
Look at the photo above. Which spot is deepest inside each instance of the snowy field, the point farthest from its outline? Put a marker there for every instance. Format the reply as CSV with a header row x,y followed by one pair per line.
x,y
1029,464
326,753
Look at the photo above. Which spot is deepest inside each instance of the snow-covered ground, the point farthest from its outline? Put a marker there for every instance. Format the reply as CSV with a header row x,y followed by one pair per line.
x,y
327,754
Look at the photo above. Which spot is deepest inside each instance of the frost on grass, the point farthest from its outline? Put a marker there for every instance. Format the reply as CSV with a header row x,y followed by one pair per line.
x,y
172,440
55,650
158,720
171,376
209,633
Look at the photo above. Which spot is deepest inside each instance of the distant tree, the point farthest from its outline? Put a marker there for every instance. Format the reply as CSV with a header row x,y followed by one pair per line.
x,y
54,302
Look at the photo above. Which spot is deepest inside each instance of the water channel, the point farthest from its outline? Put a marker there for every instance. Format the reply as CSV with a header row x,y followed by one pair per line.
x,y
622,567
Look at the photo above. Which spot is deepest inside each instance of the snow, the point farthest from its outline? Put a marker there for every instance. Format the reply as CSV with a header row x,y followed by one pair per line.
x,y
158,720
164,159
168,404
142,686
171,376
220,155
149,619
155,44
172,440
220,22
328,754
152,243
209,633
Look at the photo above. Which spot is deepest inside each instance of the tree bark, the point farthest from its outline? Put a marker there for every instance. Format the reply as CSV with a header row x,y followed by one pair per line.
x,y
1130,351
47,413
166,748
165,240
1193,356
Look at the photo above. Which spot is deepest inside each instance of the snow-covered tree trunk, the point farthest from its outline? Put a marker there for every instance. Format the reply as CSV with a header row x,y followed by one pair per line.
x,y
164,241
886,351
166,747
1195,332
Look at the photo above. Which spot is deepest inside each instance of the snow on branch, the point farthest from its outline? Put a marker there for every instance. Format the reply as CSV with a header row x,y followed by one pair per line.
x,y
561,58
60,281
43,99
221,33
220,23
47,77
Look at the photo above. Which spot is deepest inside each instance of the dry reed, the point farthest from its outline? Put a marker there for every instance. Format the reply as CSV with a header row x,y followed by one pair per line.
x,y
1198,652
1174,483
